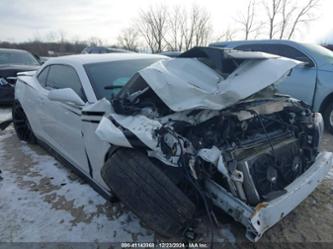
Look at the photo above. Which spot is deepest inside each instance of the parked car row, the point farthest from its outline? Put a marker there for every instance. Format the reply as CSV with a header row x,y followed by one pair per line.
x,y
13,61
172,136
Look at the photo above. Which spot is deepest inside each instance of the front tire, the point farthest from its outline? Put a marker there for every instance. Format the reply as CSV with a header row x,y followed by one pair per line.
x,y
22,125
148,192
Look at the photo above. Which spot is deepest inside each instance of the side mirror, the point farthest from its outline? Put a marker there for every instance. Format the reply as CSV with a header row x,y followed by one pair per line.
x,y
65,95
309,64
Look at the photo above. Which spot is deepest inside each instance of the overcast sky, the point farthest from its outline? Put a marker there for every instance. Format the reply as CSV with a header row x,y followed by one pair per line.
x,y
22,20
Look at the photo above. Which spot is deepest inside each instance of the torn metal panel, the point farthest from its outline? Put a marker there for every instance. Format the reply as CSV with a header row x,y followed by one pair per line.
x,y
110,133
142,127
111,129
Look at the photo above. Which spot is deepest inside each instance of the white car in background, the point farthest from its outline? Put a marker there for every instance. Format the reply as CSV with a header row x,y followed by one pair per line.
x,y
171,136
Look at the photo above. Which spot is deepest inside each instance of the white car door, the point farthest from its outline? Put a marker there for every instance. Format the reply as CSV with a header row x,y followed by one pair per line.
x,y
61,121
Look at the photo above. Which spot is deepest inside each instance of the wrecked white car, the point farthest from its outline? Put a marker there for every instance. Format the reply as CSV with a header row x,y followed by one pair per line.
x,y
170,137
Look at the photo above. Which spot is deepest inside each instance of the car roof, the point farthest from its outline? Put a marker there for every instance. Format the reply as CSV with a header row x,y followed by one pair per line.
x,y
101,49
241,42
97,58
12,50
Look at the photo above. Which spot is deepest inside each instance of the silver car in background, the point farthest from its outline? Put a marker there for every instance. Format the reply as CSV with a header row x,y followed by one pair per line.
x,y
311,82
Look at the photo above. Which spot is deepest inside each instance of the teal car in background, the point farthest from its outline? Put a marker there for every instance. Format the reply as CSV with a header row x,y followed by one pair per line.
x,y
311,82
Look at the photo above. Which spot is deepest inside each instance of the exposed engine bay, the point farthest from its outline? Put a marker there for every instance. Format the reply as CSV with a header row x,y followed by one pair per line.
x,y
253,149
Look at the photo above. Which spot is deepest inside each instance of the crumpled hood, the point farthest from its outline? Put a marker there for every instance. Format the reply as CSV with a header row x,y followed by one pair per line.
x,y
186,83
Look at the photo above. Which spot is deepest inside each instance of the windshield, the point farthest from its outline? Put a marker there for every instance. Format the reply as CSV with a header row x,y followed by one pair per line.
x,y
321,52
108,78
17,58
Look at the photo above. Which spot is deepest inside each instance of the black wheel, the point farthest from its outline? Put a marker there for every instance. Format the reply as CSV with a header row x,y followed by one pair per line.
x,y
22,125
148,192
328,117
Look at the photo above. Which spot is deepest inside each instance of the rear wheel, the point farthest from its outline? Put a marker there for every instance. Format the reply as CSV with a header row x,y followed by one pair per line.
x,y
148,192
22,125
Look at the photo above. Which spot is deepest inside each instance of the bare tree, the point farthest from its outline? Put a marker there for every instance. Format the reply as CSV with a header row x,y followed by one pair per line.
x,y
303,14
285,16
247,20
176,20
152,25
227,35
196,28
51,36
175,29
203,29
129,39
287,13
273,8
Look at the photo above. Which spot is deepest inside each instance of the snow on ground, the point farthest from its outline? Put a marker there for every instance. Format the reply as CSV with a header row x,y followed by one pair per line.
x,y
327,144
330,174
5,114
40,200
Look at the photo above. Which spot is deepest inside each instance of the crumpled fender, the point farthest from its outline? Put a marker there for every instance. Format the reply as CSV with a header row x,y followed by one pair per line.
x,y
128,131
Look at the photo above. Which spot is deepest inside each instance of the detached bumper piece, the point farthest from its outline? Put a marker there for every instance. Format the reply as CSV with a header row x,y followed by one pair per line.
x,y
264,215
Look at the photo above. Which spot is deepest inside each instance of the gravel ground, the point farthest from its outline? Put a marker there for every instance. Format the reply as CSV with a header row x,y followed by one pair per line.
x,y
42,201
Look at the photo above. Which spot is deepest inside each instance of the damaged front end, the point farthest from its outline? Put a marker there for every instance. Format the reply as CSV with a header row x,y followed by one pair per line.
x,y
255,153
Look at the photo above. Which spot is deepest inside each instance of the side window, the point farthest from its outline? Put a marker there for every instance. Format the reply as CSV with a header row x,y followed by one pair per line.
x,y
61,76
42,76
282,50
